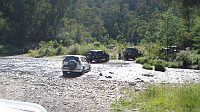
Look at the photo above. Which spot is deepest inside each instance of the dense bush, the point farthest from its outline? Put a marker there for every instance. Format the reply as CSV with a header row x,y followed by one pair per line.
x,y
142,60
160,67
60,50
183,59
172,65
74,50
9,50
188,59
50,48
147,66
157,61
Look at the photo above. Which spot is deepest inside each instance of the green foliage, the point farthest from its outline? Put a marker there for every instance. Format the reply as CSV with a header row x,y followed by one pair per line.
x,y
155,23
33,53
157,61
142,60
162,98
50,48
173,65
147,66
183,59
170,29
9,50
159,66
74,49
2,23
151,50
196,43
82,49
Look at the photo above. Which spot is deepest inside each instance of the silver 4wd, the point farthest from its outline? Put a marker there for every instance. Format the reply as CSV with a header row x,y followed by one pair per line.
x,y
75,63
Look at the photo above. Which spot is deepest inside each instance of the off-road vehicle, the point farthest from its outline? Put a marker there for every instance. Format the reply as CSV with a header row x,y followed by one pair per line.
x,y
97,56
75,63
131,53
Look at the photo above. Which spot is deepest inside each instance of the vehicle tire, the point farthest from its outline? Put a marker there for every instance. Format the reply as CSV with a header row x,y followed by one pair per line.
x,y
65,73
83,71
133,58
89,69
96,61
72,64
107,59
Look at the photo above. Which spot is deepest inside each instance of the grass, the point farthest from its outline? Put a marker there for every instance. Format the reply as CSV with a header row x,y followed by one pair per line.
x,y
163,98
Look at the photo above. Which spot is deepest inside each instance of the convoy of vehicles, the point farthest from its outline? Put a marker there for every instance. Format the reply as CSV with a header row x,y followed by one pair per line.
x,y
81,64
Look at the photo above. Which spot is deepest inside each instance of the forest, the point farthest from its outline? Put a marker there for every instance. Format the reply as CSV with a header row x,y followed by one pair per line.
x,y
54,27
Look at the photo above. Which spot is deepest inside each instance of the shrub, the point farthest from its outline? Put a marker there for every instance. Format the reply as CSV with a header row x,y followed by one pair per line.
x,y
183,59
45,49
9,50
147,66
157,61
194,57
33,53
82,49
85,48
160,67
97,44
172,65
74,49
142,60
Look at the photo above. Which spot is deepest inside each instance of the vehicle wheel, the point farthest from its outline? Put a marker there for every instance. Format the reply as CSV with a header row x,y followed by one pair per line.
x,y
89,69
96,61
133,58
83,71
107,59
65,73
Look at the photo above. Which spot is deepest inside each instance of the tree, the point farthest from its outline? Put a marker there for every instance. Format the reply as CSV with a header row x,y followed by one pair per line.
x,y
170,30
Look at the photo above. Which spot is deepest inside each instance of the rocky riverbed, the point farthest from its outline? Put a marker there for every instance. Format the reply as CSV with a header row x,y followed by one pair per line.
x,y
40,80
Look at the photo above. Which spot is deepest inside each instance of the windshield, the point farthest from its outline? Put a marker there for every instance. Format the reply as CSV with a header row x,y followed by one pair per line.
x,y
96,52
68,58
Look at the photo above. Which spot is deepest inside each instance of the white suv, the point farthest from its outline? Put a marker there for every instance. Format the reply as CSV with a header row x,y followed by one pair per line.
x,y
75,63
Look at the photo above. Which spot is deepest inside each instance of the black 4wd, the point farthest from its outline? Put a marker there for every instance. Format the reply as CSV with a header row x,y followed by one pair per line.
x,y
98,56
131,53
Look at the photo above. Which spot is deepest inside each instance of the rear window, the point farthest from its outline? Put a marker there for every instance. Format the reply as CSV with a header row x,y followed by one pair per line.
x,y
92,52
68,58
95,52
99,52
131,50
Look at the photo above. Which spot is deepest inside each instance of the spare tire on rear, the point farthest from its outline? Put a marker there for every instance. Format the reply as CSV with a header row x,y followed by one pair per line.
x,y
72,64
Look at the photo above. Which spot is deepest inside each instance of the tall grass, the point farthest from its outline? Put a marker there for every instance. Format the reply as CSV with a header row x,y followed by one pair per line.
x,y
163,98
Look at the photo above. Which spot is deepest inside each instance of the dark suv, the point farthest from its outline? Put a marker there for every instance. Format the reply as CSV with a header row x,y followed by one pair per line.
x,y
131,53
98,56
